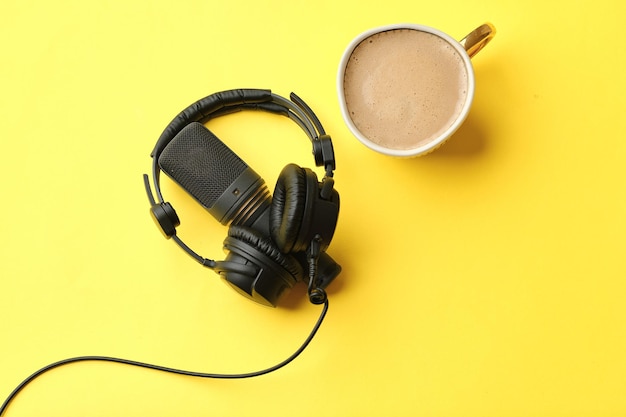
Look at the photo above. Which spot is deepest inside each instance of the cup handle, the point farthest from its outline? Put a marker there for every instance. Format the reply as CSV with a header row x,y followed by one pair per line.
x,y
478,38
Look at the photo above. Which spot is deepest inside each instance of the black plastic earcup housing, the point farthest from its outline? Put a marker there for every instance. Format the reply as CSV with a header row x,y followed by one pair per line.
x,y
275,272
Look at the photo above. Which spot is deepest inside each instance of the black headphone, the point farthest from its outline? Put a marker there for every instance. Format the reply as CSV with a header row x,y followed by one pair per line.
x,y
271,245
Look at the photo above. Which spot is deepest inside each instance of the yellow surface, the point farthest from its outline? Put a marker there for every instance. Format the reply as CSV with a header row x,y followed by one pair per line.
x,y
486,279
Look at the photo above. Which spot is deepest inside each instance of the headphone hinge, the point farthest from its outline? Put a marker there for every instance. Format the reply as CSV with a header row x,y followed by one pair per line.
x,y
323,152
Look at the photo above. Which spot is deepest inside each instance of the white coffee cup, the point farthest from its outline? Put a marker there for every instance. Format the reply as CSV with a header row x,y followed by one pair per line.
x,y
404,89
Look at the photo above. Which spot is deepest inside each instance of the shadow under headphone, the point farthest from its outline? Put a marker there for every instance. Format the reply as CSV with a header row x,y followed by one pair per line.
x,y
272,243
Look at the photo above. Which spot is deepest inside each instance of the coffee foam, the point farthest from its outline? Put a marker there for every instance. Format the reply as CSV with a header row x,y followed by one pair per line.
x,y
403,87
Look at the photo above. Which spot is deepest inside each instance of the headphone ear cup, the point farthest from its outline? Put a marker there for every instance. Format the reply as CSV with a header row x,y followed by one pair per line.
x,y
276,272
165,218
288,208
303,208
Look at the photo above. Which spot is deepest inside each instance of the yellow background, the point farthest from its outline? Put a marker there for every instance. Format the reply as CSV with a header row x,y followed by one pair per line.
x,y
486,279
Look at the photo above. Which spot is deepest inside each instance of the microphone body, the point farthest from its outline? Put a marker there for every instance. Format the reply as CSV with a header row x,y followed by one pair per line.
x,y
214,175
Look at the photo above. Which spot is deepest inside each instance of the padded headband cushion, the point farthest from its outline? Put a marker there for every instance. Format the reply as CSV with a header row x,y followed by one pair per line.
x,y
288,206
267,247
231,101
211,105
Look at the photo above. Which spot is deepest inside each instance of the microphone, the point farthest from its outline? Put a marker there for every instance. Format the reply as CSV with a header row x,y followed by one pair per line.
x,y
231,191
215,176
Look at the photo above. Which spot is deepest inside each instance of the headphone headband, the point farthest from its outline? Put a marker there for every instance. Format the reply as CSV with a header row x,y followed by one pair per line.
x,y
232,101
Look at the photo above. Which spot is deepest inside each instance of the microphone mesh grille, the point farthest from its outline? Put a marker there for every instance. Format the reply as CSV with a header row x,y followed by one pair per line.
x,y
201,163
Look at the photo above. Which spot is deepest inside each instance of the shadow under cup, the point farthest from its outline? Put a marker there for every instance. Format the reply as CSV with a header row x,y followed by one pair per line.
x,y
405,89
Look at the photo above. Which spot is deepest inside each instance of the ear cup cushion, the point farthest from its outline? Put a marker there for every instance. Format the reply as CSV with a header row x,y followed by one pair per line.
x,y
288,204
267,247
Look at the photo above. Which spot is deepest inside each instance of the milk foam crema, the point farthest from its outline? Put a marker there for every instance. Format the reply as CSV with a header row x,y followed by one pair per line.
x,y
403,88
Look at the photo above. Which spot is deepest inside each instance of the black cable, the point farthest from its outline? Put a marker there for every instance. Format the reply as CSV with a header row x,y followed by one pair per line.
x,y
51,366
